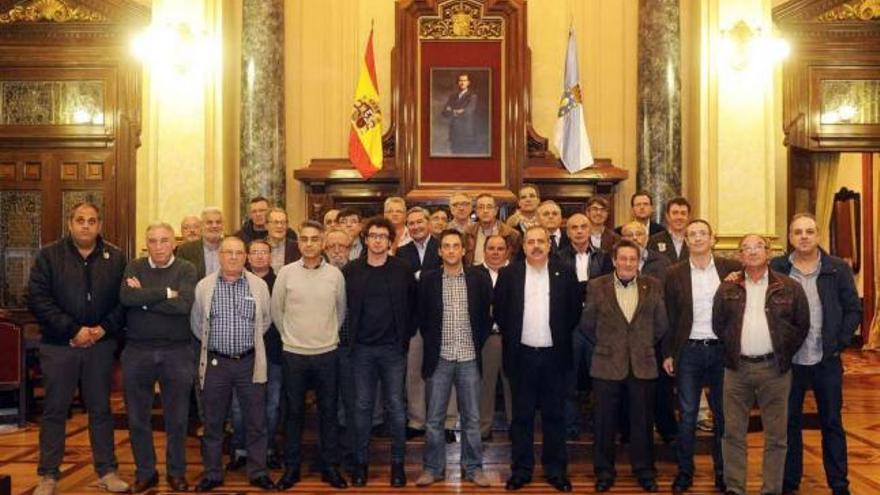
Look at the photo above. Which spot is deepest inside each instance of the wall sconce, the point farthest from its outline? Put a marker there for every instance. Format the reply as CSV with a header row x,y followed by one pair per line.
x,y
743,47
175,49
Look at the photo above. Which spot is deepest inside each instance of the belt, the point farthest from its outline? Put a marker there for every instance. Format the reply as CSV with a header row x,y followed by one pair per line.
x,y
236,357
535,349
757,359
705,342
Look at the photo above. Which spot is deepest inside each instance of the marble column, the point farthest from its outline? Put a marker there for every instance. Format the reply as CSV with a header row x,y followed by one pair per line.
x,y
262,168
659,101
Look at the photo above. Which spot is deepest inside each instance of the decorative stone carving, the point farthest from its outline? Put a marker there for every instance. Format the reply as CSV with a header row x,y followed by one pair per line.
x,y
461,19
50,11
858,10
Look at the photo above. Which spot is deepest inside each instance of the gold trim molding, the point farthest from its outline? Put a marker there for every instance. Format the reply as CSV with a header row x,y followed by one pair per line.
x,y
460,19
49,11
857,10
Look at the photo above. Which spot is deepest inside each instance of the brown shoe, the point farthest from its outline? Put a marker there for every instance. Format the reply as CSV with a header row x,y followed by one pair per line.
x,y
177,483
141,486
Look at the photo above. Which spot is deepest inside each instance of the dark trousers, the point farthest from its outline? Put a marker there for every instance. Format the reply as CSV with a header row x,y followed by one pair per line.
x,y
345,385
300,372
63,369
664,402
220,380
538,384
699,365
385,364
582,350
172,367
640,394
826,380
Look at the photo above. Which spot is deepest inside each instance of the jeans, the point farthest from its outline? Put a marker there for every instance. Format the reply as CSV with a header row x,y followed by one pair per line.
x,y
141,369
826,380
300,371
699,365
385,364
63,368
466,378
583,354
274,391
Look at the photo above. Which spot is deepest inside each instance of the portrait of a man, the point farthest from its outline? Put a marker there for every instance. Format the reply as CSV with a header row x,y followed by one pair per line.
x,y
460,103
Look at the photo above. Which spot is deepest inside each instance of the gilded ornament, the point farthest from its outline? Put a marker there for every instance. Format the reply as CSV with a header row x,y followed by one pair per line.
x,y
858,10
49,11
461,19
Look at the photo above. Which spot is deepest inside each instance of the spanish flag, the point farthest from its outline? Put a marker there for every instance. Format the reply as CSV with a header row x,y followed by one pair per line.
x,y
365,137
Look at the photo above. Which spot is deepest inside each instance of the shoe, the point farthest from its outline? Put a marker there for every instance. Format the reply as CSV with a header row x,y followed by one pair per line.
x,y
288,479
479,478
604,484
380,431
412,433
681,483
706,425
206,485
560,483
359,475
113,483
427,478
450,436
47,486
649,485
720,485
236,463
398,475
177,483
667,439
144,485
517,481
840,491
264,482
273,461
334,478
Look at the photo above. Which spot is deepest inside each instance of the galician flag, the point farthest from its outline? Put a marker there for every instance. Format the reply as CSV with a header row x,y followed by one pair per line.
x,y
365,137
570,136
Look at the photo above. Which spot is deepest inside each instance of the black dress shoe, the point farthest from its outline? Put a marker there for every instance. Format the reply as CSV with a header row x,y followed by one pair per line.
x,y
236,463
560,483
273,461
450,436
604,484
144,485
517,481
359,475
681,483
206,485
263,482
649,485
720,485
398,475
288,479
177,483
334,478
412,433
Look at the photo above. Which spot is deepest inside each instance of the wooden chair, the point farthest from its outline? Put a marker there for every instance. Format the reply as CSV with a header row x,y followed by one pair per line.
x,y
12,366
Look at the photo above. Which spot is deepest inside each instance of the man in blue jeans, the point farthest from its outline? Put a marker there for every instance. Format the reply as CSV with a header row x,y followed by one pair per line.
x,y
835,312
692,351
454,314
380,291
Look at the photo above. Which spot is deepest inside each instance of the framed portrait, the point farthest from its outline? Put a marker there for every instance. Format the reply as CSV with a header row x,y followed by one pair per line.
x,y
461,103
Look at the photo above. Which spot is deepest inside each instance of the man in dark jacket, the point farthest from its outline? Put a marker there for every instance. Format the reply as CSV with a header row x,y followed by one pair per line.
x,y
204,253
74,294
537,305
624,319
671,242
256,226
453,306
835,312
380,290
762,320
692,351
158,292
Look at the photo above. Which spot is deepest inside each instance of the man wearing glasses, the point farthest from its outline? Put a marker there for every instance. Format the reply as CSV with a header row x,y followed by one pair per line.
x,y
601,237
762,319
461,208
284,248
486,226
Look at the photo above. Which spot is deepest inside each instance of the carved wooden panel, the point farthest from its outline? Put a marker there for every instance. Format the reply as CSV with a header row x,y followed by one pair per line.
x,y
7,171
19,243
94,171
32,171
69,171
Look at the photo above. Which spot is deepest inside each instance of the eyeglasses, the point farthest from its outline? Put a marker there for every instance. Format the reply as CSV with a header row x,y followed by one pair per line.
x,y
277,222
753,249
377,237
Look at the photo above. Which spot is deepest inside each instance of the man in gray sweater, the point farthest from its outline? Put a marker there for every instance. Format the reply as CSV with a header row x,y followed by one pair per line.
x,y
157,292
308,307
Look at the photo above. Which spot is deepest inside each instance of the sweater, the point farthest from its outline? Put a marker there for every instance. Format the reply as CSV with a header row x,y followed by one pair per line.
x,y
154,320
308,307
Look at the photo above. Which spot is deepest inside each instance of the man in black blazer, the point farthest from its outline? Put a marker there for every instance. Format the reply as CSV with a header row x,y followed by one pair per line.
x,y
380,291
671,242
204,253
642,205
538,305
454,304
550,217
423,252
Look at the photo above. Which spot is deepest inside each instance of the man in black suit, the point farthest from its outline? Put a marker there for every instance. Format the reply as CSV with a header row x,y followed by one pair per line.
x,y
460,109
380,291
550,217
204,253
541,307
453,307
422,252
642,208
670,242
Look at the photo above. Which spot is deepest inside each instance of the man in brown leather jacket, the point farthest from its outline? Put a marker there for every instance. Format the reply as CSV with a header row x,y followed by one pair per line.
x,y
762,318
624,319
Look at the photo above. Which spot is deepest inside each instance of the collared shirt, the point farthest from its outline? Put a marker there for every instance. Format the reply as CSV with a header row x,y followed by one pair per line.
x,y
755,340
582,263
811,350
627,295
404,239
493,274
704,283
421,247
212,258
278,253
536,311
556,237
596,240
677,243
233,311
458,226
356,248
643,257
482,234
456,342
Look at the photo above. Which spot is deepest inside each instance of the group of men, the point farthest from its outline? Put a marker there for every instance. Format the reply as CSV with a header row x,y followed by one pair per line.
x,y
428,311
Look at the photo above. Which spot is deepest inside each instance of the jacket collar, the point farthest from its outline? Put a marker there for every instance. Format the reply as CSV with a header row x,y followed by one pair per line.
x,y
99,247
